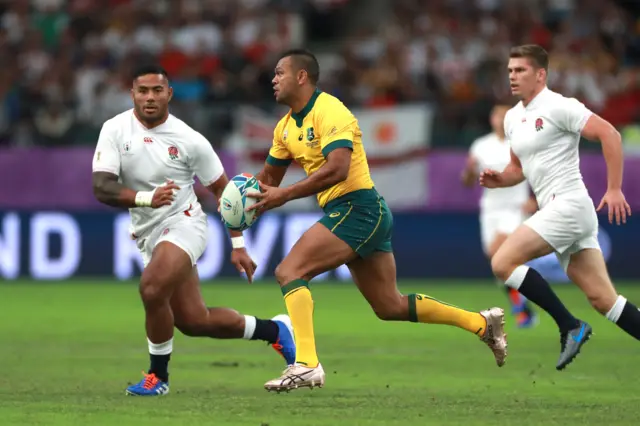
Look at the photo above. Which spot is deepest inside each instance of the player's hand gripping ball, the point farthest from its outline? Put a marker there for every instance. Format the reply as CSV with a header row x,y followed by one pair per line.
x,y
234,202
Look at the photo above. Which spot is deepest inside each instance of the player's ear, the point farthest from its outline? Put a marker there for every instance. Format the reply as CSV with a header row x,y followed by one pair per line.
x,y
133,96
302,76
170,93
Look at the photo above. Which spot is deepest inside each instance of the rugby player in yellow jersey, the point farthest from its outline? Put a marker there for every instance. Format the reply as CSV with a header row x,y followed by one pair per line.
x,y
323,136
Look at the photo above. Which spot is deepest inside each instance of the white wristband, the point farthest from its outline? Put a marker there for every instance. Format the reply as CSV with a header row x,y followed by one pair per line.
x,y
237,242
144,198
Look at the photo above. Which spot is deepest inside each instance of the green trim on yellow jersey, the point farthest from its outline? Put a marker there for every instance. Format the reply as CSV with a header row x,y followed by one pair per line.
x,y
340,143
299,116
281,162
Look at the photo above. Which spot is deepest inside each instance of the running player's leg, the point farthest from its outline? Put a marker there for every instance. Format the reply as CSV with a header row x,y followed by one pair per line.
x,y
375,276
520,306
546,231
169,266
193,318
588,271
317,251
508,265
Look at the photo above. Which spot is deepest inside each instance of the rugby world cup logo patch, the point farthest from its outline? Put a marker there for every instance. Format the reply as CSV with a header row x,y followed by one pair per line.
x,y
539,124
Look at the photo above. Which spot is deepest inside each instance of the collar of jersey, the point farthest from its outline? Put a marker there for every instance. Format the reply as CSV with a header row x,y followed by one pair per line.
x,y
535,100
299,116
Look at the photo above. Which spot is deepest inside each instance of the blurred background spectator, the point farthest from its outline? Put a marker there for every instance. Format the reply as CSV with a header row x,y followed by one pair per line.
x,y
65,64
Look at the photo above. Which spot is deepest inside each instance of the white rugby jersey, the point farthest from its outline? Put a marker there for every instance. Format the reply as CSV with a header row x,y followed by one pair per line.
x,y
544,136
146,158
492,153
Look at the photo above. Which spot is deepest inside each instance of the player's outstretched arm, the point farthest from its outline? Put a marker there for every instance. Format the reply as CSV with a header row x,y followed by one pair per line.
x,y
109,191
239,256
469,173
271,175
510,176
598,129
334,171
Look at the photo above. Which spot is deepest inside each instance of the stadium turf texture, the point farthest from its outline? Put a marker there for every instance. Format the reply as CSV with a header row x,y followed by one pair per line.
x,y
68,350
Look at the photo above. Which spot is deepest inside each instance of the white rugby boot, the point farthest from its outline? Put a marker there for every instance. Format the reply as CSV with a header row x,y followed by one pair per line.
x,y
297,376
494,335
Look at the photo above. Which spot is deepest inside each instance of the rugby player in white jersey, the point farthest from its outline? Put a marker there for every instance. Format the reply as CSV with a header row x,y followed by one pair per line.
x,y
146,160
544,130
502,210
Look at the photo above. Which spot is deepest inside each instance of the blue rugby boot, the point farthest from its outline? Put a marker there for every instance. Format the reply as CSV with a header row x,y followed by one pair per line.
x,y
285,345
571,342
150,385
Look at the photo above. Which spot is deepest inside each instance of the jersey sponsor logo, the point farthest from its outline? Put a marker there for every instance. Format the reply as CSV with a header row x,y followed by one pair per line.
x,y
310,134
147,140
336,214
539,124
173,153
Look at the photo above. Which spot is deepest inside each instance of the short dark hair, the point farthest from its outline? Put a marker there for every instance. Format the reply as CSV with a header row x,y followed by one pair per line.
x,y
149,69
304,60
535,53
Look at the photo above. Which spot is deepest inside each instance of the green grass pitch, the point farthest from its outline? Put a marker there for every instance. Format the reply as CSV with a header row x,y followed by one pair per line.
x,y
68,350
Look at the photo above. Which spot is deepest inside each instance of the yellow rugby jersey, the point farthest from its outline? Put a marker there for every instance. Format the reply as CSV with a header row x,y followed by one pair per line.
x,y
308,137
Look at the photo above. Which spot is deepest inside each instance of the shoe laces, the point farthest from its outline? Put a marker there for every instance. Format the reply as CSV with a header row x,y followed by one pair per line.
x,y
150,381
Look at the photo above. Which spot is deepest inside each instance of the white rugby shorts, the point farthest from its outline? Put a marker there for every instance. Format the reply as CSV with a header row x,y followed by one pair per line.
x,y
190,233
498,221
569,224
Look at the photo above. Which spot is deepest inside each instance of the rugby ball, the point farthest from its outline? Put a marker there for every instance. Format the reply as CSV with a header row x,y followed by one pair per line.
x,y
234,202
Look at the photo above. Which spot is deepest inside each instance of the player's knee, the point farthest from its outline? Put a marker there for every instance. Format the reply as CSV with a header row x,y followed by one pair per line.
x,y
150,291
281,274
151,294
285,274
501,268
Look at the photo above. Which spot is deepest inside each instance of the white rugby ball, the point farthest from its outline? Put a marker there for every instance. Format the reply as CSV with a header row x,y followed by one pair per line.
x,y
234,202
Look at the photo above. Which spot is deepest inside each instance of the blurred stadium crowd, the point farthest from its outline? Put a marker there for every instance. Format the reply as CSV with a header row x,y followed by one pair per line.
x,y
65,64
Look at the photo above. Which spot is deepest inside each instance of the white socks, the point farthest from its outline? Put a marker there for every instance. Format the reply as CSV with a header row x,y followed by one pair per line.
x,y
249,326
517,277
160,348
614,313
